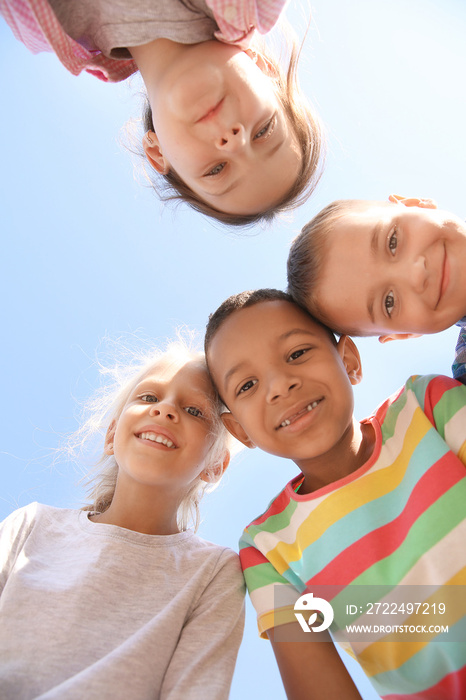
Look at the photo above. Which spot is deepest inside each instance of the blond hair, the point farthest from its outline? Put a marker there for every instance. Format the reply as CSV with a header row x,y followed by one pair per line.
x,y
107,404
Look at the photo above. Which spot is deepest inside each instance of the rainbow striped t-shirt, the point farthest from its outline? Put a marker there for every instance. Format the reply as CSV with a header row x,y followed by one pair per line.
x,y
399,520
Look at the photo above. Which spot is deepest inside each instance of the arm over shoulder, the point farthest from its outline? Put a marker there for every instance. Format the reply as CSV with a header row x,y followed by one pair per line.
x,y
443,400
459,364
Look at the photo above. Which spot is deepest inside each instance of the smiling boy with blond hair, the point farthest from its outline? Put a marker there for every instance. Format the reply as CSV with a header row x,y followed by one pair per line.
x,y
394,269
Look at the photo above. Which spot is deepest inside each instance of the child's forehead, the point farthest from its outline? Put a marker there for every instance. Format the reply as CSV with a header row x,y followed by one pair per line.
x,y
192,373
366,214
255,325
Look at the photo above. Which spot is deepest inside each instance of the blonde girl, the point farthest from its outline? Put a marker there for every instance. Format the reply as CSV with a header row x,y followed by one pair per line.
x,y
119,599
226,127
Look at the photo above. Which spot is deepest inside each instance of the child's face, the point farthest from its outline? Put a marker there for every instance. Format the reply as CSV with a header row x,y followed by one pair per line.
x,y
163,434
288,387
219,125
394,270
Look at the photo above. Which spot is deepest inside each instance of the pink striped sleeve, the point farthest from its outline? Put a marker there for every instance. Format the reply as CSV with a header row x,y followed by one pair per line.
x,y
35,25
238,19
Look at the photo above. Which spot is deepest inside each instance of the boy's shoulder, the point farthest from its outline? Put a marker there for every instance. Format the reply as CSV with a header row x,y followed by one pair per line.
x,y
276,512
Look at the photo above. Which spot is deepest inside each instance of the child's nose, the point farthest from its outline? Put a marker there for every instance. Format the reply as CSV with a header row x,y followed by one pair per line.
x,y
280,385
417,275
165,409
231,138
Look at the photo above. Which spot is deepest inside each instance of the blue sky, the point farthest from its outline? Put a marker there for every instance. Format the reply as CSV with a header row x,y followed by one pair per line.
x,y
88,252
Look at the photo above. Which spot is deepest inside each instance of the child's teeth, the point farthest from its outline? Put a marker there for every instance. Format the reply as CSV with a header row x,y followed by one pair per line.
x,y
157,438
308,408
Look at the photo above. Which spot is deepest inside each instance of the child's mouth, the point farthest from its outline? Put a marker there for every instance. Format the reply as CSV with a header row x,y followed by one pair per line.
x,y
444,277
211,112
156,437
303,412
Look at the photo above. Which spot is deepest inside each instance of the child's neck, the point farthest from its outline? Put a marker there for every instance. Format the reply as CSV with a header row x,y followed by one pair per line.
x,y
349,454
154,59
141,510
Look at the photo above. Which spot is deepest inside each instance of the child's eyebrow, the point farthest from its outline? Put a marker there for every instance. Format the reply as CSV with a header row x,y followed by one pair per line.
x,y
375,238
231,187
144,384
296,331
236,182
194,394
370,306
231,372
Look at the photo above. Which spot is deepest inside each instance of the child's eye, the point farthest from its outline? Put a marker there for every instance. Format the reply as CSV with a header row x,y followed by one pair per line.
x,y
389,303
148,398
247,386
393,242
297,354
193,411
266,130
216,170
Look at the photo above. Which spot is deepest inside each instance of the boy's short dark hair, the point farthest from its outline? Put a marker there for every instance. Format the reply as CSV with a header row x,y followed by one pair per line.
x,y
242,301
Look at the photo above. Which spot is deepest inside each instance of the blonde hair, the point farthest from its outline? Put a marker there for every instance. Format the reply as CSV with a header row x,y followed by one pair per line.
x,y
107,404
307,130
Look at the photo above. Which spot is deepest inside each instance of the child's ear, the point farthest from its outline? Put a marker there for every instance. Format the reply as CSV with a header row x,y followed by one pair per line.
x,y
398,336
413,201
233,427
351,358
154,154
109,438
213,474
